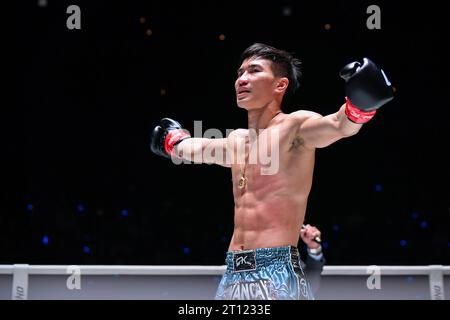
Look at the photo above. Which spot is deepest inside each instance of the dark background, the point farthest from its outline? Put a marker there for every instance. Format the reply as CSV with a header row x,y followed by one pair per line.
x,y
80,185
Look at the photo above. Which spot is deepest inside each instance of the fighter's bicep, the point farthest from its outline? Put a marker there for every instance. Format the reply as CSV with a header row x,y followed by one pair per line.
x,y
318,131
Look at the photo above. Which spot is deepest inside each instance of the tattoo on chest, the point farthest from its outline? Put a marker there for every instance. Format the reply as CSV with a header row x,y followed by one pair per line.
x,y
296,143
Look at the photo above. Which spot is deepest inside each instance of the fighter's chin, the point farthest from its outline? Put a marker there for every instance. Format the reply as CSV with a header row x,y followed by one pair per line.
x,y
243,103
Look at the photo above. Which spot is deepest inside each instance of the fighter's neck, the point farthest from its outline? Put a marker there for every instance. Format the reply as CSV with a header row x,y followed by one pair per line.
x,y
259,119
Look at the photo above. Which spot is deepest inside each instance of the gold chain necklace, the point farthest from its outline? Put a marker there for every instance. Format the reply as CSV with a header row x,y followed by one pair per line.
x,y
243,180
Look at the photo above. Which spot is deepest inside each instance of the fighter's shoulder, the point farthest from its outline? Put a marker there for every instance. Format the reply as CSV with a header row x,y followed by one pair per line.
x,y
237,133
302,115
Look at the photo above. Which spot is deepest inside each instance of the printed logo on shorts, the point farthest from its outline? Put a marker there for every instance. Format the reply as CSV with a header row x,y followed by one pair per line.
x,y
255,290
244,261
304,288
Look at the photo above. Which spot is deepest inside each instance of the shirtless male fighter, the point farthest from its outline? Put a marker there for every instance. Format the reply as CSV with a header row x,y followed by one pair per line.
x,y
262,259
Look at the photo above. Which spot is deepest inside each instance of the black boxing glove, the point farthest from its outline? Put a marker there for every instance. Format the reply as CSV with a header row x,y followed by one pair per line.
x,y
166,136
367,89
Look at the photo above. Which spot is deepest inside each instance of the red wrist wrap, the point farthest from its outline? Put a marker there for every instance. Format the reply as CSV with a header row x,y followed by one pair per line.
x,y
174,137
356,115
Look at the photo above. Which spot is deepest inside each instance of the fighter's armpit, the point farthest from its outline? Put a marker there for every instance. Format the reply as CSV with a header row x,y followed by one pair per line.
x,y
296,142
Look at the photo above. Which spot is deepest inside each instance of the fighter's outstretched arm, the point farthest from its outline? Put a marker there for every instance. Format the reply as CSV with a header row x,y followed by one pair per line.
x,y
319,131
203,150
169,139
367,89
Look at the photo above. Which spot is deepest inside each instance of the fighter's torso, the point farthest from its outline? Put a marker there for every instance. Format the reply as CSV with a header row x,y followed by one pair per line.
x,y
270,203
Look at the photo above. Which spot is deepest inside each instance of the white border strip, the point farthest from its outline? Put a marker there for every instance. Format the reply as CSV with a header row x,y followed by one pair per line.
x,y
211,270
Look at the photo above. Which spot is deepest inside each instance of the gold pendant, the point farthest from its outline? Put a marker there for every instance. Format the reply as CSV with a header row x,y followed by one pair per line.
x,y
241,183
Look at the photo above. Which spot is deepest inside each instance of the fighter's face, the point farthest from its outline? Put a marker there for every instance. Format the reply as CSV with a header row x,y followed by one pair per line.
x,y
256,85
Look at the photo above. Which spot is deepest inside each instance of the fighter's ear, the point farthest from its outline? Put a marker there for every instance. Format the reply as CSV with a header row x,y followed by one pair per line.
x,y
282,84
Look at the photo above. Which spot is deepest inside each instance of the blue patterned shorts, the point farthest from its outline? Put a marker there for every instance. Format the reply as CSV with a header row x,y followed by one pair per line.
x,y
264,274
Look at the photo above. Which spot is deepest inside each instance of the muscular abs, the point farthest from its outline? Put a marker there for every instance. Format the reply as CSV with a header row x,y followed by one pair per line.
x,y
270,209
